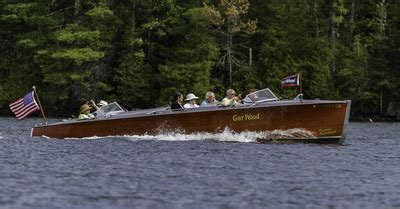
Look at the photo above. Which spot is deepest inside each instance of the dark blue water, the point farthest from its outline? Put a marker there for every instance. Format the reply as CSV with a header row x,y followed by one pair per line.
x,y
198,172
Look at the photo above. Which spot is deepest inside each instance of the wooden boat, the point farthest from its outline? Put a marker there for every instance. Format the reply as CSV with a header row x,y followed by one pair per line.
x,y
261,111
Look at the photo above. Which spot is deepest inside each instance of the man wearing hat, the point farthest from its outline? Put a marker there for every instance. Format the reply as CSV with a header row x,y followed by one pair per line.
x,y
191,99
85,112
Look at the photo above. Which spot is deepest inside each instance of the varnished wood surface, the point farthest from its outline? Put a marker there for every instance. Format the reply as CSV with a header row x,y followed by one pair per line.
x,y
325,119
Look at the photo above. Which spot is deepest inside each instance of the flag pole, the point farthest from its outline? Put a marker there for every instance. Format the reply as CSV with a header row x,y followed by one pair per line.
x,y
301,88
301,84
40,105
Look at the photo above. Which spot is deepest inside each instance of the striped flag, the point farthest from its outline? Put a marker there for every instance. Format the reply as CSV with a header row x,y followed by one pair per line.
x,y
24,106
293,80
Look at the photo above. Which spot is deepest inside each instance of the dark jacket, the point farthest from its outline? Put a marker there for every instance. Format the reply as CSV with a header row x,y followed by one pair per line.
x,y
176,106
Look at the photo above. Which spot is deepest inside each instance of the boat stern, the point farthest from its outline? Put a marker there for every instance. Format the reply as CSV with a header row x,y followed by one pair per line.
x,y
346,122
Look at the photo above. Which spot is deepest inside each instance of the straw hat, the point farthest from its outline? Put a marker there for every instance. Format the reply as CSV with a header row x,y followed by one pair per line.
x,y
102,103
85,108
190,97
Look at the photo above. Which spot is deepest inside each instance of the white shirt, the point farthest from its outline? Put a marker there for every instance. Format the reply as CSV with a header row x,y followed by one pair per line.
x,y
85,116
228,102
188,105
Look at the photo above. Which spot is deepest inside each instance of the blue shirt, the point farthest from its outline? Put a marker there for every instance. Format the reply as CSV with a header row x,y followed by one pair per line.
x,y
206,103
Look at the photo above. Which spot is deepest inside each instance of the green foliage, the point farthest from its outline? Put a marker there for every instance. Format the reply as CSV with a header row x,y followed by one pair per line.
x,y
18,12
79,56
185,78
140,52
133,81
101,13
229,16
188,70
72,34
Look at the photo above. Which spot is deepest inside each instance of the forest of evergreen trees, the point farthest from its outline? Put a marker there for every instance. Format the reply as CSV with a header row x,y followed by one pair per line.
x,y
139,52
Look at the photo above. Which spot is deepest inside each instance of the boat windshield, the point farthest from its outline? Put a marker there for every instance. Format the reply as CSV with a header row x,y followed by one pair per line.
x,y
108,110
264,95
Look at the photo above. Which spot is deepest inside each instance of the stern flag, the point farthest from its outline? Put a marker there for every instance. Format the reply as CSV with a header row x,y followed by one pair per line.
x,y
24,106
293,80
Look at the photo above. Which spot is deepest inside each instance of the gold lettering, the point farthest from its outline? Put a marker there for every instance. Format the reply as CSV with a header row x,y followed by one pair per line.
x,y
234,118
237,118
245,117
252,117
326,131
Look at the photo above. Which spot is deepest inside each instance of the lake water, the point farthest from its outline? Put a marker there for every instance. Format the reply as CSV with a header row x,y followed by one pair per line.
x,y
197,171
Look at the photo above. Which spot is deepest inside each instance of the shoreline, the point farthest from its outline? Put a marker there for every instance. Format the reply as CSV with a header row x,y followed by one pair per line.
x,y
374,118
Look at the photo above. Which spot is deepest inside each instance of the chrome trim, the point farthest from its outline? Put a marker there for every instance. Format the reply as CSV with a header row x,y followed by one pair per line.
x,y
346,121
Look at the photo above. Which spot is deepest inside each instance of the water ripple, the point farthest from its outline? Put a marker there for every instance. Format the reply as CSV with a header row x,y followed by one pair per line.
x,y
198,171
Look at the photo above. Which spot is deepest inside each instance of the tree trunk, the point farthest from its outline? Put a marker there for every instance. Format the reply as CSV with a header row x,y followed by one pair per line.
x,y
352,11
230,57
229,51
250,56
148,46
78,7
133,16
316,18
332,39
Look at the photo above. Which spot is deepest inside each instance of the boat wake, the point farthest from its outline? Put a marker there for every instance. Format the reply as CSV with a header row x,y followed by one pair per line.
x,y
226,136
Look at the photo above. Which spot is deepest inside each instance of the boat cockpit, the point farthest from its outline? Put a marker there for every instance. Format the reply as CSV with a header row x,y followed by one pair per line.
x,y
108,110
114,109
254,98
261,96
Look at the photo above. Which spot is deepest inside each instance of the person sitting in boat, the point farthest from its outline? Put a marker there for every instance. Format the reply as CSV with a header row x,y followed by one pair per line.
x,y
231,99
102,103
191,101
177,101
253,96
210,99
85,111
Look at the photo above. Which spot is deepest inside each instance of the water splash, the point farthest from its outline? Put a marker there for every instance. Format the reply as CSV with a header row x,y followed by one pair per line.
x,y
229,136
225,136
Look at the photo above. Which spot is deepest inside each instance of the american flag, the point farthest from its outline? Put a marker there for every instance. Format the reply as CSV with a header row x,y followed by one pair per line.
x,y
24,106
293,80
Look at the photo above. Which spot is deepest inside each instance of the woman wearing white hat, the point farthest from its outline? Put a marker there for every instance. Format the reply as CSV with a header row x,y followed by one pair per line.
x,y
191,99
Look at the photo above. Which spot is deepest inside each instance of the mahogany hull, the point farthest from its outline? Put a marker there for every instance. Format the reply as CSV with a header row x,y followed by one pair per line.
x,y
316,120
